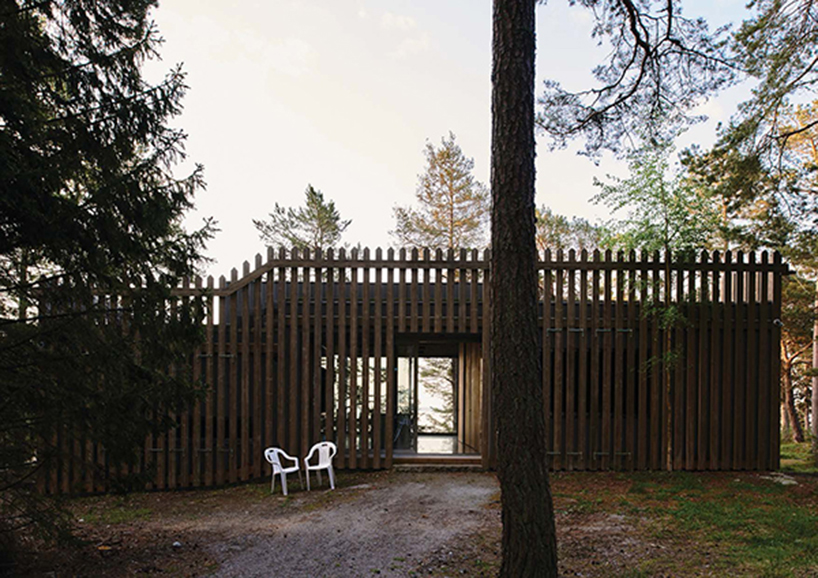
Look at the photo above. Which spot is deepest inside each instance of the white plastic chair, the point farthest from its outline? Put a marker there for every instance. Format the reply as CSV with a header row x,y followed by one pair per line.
x,y
274,455
326,451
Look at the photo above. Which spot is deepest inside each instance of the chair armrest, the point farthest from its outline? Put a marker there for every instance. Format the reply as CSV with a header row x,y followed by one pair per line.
x,y
291,458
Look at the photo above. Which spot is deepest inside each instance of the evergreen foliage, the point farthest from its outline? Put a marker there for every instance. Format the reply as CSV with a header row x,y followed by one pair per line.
x,y
89,209
559,232
660,65
664,212
453,206
316,225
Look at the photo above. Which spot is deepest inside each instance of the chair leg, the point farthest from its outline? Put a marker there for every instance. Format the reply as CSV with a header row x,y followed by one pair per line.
x,y
273,484
307,473
284,482
331,475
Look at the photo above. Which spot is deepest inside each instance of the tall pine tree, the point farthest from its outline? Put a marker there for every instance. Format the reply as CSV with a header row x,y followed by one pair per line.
x,y
89,208
316,225
452,206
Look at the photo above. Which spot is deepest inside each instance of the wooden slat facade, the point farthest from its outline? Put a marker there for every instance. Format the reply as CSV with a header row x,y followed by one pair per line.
x,y
303,348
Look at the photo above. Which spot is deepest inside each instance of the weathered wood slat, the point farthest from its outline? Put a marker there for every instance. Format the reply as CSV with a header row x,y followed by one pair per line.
x,y
353,364
365,368
342,403
221,450
377,438
233,394
391,386
571,451
245,383
751,432
584,385
305,397
620,452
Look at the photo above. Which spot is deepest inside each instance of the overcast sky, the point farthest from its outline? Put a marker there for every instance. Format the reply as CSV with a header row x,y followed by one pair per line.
x,y
343,94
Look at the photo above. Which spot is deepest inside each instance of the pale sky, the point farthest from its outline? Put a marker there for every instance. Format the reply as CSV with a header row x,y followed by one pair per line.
x,y
343,94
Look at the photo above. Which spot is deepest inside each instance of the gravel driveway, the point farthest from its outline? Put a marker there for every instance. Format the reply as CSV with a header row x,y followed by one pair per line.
x,y
363,530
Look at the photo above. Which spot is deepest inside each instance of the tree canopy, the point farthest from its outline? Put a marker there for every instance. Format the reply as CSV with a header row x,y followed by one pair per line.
x,y
316,225
452,206
664,213
91,242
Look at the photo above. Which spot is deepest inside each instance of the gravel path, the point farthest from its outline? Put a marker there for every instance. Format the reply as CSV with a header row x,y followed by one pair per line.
x,y
384,531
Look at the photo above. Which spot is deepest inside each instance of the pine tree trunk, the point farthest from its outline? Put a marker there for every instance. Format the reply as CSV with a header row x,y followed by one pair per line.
x,y
789,405
814,428
529,537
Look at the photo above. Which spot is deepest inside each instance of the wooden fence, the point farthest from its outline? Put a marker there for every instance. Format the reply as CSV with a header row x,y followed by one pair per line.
x,y
640,357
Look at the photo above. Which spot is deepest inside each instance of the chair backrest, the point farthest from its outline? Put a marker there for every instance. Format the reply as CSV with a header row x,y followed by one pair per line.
x,y
271,455
326,451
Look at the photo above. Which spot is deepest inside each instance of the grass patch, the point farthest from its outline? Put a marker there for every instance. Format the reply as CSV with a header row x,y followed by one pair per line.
x,y
748,523
797,458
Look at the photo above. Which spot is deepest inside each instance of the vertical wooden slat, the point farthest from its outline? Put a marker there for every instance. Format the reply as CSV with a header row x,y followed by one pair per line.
x,y
196,433
763,401
643,399
269,416
233,399
619,451
258,386
582,402
559,366
596,416
656,436
329,377
343,447
427,287
679,383
292,383
740,367
547,349
366,318
607,367
306,379
702,446
473,290
714,362
727,408
462,325
221,451
437,304
750,414
377,334
353,364
630,364
402,291
244,384
570,373
281,379
390,354
414,290
317,345
210,368
691,351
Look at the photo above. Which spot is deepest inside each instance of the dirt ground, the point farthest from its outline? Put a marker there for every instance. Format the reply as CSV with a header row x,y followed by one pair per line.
x,y
385,524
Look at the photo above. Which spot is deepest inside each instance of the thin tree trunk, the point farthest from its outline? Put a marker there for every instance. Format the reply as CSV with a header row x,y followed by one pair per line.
x,y
814,429
789,405
529,536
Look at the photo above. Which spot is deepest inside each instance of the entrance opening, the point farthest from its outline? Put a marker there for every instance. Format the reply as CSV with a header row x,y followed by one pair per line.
x,y
439,385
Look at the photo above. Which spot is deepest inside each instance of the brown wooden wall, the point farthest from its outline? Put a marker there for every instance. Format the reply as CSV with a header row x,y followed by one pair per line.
x,y
301,348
